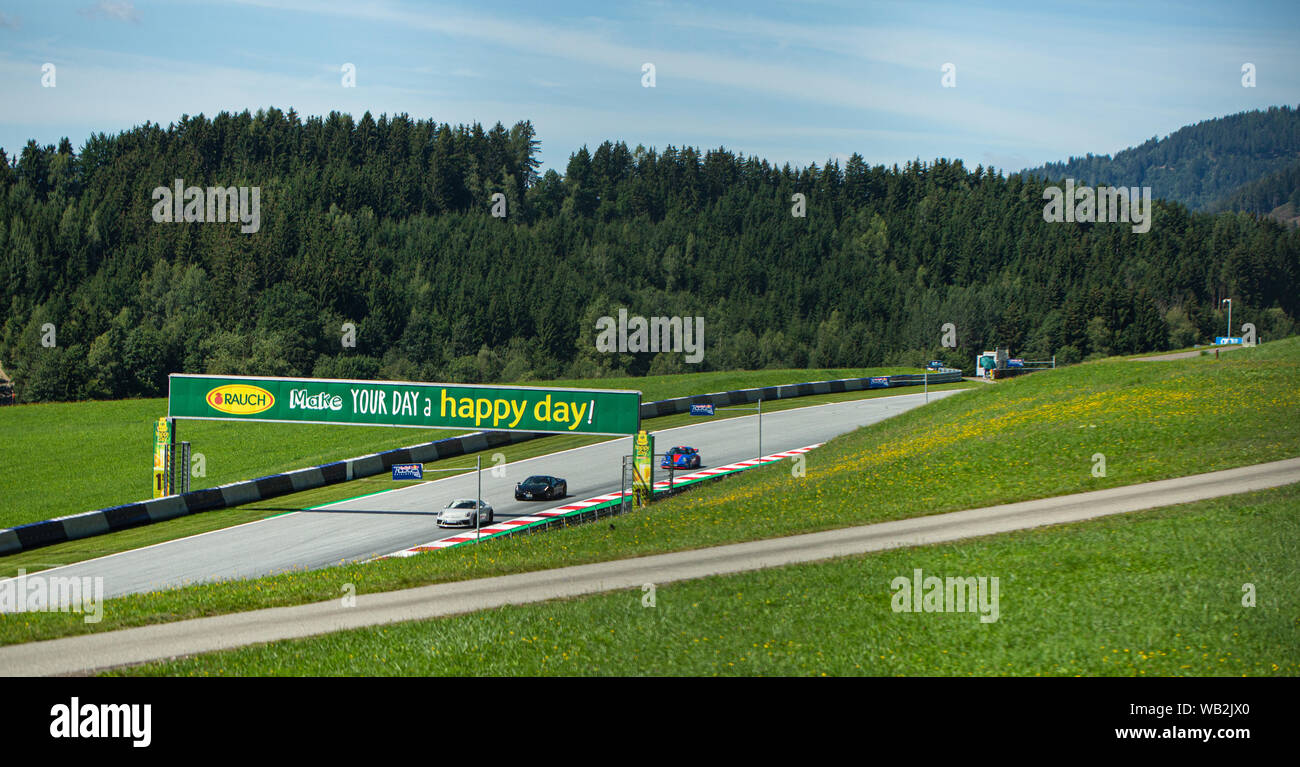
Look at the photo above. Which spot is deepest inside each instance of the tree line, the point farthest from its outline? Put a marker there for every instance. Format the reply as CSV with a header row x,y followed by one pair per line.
x,y
385,226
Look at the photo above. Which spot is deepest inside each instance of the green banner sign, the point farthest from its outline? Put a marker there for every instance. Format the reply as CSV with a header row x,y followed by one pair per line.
x,y
413,405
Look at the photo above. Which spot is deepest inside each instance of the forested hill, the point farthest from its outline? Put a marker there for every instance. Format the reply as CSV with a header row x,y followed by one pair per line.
x,y
1200,165
1277,194
387,224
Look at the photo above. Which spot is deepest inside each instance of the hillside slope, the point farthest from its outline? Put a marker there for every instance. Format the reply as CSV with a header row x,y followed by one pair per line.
x,y
1203,166
1276,195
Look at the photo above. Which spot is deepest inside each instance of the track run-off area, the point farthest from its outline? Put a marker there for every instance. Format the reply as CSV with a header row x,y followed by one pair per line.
x,y
89,653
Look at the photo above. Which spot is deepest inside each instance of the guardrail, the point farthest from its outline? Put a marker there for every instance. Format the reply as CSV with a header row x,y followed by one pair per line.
x,y
126,516
100,521
746,396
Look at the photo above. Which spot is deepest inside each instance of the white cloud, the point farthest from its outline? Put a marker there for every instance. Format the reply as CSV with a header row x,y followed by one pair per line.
x,y
805,89
121,10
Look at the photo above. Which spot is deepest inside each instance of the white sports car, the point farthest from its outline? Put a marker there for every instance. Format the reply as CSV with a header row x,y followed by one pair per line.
x,y
461,513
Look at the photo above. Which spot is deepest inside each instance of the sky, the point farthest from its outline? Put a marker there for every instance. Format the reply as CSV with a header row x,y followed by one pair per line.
x,y
792,82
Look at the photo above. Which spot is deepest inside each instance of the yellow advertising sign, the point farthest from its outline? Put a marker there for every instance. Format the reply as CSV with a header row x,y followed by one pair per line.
x,y
642,467
161,436
240,399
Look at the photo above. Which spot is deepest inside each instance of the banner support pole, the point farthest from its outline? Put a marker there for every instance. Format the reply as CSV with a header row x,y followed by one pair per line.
x,y
170,475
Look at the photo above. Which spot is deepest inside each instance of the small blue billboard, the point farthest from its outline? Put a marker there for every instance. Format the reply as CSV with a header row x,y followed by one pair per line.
x,y
702,410
408,471
1221,340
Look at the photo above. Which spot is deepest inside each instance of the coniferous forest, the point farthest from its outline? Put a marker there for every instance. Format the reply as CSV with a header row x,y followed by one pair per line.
x,y
1217,164
387,224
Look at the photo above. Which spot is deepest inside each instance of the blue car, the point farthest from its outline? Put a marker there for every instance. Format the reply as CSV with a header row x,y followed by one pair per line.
x,y
681,457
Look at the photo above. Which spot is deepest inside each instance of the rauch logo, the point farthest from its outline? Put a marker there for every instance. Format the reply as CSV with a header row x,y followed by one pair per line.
x,y
240,399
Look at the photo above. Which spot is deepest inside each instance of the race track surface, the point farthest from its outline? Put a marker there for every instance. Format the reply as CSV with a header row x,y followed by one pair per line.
x,y
387,522
1185,355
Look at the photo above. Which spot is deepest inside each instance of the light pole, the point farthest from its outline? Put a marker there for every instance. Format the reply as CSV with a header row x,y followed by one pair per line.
x,y
478,501
1228,301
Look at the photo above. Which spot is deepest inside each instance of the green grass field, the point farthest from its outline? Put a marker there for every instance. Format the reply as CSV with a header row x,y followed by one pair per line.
x,y
1154,593
1028,437
66,458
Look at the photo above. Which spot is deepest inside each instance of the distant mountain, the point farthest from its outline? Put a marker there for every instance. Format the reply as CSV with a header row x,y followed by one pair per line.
x,y
1276,195
1222,164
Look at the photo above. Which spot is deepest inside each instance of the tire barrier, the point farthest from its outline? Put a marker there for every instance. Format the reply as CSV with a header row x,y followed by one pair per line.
x,y
90,523
750,396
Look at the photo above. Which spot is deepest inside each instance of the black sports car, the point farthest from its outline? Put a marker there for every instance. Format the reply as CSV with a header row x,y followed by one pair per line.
x,y
541,488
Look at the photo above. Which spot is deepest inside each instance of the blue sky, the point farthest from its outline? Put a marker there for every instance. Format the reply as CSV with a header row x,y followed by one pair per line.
x,y
795,82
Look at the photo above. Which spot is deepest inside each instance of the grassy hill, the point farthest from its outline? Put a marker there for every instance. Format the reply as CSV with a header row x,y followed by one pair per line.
x,y
1029,437
1098,598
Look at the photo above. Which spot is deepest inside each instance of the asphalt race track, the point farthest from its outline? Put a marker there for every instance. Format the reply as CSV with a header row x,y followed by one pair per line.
x,y
387,522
